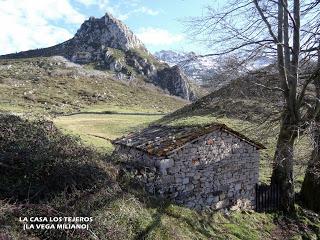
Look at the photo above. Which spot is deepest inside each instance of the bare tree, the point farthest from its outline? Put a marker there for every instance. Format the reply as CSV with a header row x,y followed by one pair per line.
x,y
282,29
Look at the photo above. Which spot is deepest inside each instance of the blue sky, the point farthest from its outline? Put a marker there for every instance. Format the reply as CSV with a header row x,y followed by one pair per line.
x,y
28,24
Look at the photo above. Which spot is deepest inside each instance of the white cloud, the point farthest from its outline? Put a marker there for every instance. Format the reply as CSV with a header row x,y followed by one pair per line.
x,y
102,4
31,24
146,10
158,36
105,6
122,10
88,2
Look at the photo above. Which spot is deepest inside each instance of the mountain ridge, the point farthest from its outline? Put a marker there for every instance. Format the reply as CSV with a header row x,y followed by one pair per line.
x,y
109,44
212,71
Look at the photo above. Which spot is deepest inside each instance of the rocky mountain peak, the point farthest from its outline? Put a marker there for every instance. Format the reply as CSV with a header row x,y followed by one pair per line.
x,y
107,31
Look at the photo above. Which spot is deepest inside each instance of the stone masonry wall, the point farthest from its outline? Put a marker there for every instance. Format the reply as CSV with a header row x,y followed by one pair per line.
x,y
151,169
216,170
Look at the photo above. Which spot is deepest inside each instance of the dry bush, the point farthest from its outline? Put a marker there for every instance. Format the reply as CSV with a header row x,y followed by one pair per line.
x,y
37,161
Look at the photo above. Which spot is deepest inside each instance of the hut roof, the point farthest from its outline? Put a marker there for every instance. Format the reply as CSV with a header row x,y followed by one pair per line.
x,y
160,140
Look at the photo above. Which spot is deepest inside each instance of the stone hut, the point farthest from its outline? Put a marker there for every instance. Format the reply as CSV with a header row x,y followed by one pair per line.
x,y
196,166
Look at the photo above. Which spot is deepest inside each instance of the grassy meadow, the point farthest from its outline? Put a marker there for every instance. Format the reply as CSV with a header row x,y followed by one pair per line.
x,y
98,129
89,112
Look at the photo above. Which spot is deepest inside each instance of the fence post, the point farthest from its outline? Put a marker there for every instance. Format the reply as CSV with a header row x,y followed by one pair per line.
x,y
270,197
265,197
256,195
278,193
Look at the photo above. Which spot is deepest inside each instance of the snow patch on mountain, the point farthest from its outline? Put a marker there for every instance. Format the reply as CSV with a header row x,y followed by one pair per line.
x,y
198,69
203,69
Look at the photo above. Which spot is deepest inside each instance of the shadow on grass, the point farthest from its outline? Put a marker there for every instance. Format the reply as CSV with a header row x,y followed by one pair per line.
x,y
194,225
115,113
163,208
303,222
153,225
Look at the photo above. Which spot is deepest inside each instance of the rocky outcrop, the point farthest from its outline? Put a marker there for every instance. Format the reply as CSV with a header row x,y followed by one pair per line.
x,y
143,65
106,32
175,81
95,36
111,45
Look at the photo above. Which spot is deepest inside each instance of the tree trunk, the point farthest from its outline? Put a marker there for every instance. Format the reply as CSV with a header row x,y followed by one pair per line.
x,y
310,191
282,174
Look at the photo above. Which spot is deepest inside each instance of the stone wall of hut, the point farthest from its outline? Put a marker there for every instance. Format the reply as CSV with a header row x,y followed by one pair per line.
x,y
217,170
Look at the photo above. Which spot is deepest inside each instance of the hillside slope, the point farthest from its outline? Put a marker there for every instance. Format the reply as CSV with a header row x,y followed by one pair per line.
x,y
249,98
55,85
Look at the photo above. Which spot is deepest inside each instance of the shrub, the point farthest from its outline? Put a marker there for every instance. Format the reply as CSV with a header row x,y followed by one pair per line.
x,y
37,161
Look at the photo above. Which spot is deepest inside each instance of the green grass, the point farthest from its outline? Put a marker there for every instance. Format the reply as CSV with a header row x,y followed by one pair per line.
x,y
47,87
146,55
175,222
124,216
117,54
126,212
109,126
